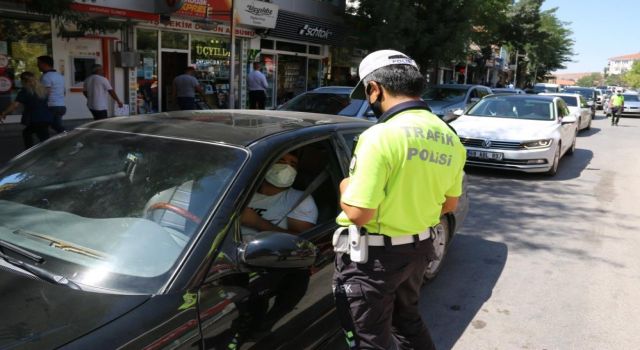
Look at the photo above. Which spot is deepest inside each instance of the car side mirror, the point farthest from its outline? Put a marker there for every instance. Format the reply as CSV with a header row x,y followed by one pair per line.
x,y
278,250
569,120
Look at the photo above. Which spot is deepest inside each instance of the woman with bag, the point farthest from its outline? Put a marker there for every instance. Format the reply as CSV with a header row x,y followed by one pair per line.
x,y
35,113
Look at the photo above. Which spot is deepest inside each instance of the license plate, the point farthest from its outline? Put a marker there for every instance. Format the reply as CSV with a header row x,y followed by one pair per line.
x,y
484,155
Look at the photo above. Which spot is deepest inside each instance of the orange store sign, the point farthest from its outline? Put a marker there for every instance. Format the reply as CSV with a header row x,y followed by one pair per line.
x,y
205,10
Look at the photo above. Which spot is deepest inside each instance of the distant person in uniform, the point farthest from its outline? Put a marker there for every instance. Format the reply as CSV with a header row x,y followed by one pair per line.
x,y
406,172
257,84
617,106
36,117
185,87
97,89
54,83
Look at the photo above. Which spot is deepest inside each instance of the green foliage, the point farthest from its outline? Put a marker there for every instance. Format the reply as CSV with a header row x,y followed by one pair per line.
x,y
593,79
632,77
63,16
614,80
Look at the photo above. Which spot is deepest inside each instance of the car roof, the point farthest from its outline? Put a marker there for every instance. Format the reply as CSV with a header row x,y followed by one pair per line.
x,y
578,88
522,97
236,127
333,90
559,94
457,86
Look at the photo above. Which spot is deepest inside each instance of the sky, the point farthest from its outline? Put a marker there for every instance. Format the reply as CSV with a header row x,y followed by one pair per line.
x,y
601,30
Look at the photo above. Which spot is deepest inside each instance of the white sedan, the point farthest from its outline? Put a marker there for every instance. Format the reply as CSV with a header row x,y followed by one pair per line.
x,y
528,133
578,107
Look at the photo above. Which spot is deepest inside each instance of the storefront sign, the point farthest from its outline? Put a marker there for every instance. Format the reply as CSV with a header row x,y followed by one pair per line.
x,y
315,32
290,25
5,84
176,23
256,13
148,6
207,10
110,11
211,52
4,61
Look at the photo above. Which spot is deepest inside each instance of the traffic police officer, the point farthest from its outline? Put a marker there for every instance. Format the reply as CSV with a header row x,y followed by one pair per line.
x,y
405,173
617,106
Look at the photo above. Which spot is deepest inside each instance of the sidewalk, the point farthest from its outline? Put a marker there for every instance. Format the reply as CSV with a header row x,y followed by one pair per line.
x,y
11,137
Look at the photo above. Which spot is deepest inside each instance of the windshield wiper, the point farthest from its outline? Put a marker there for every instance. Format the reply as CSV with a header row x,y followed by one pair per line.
x,y
38,271
63,245
19,250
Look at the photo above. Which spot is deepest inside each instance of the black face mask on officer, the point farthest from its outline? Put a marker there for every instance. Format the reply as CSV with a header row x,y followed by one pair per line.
x,y
376,106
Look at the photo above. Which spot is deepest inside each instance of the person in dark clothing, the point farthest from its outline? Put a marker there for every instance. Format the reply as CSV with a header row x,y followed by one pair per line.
x,y
36,116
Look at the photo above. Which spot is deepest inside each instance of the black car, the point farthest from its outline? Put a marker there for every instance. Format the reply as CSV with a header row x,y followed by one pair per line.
x,y
126,233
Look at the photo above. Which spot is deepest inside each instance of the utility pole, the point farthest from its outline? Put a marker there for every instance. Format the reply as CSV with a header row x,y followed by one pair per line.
x,y
515,71
232,70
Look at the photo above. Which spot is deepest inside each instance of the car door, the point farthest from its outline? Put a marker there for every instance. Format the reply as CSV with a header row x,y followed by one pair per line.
x,y
248,307
568,130
585,112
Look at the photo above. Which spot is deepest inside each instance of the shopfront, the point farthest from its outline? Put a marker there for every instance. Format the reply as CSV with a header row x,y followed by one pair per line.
x,y
295,55
22,39
166,49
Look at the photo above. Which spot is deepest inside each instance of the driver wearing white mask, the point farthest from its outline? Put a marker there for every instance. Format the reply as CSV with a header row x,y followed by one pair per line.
x,y
274,199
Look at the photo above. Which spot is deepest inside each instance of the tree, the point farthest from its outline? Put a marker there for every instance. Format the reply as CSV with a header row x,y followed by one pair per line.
x,y
431,31
62,15
614,80
632,77
593,79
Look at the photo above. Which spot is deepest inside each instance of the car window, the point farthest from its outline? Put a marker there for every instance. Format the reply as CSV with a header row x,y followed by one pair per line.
x,y
284,205
447,94
562,109
123,206
328,103
583,102
482,92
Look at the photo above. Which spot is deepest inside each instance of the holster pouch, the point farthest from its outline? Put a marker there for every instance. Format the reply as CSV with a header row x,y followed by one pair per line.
x,y
352,240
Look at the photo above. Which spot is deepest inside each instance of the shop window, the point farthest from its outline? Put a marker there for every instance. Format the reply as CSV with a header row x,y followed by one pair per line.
x,y
285,46
211,56
266,44
175,40
21,42
82,68
147,72
314,50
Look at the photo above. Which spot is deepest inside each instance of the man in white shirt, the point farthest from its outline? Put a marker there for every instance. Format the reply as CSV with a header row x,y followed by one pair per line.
x,y
54,82
257,84
268,209
96,89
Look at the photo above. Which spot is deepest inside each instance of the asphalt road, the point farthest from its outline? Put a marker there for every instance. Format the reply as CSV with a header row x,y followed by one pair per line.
x,y
548,263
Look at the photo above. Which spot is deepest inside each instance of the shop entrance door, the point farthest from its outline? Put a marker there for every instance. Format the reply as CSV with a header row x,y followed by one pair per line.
x,y
173,64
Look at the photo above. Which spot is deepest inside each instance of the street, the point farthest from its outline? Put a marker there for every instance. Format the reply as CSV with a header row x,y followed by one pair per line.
x,y
547,263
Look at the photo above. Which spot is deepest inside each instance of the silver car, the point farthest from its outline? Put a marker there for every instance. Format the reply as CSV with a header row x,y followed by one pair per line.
x,y
445,99
527,133
578,107
631,104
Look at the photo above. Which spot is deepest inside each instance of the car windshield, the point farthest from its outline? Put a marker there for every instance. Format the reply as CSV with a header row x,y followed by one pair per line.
x,y
513,108
113,211
586,93
542,88
328,103
631,98
445,94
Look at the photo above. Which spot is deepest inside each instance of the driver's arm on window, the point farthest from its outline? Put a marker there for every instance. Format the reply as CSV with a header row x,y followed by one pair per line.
x,y
250,218
298,226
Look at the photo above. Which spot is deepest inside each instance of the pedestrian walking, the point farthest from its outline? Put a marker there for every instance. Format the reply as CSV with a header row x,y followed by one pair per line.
x,y
185,87
405,173
54,83
97,89
617,106
36,117
257,84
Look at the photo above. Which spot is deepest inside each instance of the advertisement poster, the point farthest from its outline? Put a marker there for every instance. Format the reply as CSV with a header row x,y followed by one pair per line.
x,y
208,10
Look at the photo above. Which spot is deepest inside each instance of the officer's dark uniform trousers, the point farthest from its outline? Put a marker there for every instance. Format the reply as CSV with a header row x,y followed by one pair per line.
x,y
381,296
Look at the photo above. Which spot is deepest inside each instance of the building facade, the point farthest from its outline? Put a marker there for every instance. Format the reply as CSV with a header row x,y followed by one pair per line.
x,y
622,64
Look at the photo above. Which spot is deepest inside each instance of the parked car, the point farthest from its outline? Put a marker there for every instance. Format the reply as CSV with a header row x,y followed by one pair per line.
x,y
445,99
125,233
588,93
496,91
527,133
329,100
546,87
600,95
578,107
631,104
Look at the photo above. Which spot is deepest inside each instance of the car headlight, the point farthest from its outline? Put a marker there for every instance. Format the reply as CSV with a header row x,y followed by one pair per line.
x,y
538,144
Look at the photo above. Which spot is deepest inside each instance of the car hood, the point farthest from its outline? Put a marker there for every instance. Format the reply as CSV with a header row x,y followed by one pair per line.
x,y
41,315
503,128
438,107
